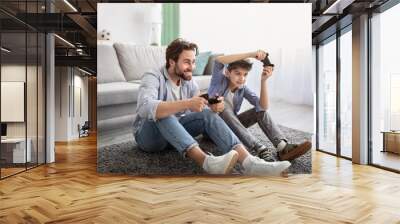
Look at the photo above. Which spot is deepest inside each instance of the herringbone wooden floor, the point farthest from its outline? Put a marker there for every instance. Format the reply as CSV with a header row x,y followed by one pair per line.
x,y
70,191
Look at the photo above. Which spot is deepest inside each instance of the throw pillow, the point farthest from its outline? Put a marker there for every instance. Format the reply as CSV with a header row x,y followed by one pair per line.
x,y
201,62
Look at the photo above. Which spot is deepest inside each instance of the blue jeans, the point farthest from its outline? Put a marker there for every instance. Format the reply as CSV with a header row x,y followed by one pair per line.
x,y
180,133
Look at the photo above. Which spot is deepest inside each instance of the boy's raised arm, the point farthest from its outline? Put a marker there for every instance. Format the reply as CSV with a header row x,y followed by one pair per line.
x,y
226,59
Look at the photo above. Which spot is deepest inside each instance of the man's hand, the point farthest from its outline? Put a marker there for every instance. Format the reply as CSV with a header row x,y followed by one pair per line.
x,y
197,103
218,107
260,55
267,72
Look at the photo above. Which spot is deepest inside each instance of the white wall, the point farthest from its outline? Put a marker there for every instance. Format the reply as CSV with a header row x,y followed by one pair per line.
x,y
81,83
283,30
66,120
127,22
61,103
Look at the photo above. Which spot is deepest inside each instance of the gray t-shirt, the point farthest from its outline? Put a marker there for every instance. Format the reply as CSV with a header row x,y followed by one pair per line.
x,y
228,99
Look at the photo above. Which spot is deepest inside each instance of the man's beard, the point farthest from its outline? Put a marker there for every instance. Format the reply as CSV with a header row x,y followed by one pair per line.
x,y
182,75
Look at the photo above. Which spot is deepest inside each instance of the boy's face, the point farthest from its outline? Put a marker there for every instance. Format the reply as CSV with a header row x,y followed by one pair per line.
x,y
185,65
237,77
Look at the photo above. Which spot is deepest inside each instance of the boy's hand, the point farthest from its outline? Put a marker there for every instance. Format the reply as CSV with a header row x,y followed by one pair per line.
x,y
260,55
218,107
267,72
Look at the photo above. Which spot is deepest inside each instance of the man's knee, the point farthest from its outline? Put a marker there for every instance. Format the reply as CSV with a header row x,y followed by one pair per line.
x,y
151,141
170,118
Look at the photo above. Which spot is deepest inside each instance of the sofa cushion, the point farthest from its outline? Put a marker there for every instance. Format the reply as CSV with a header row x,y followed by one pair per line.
x,y
108,69
138,81
202,81
117,93
201,62
111,111
135,60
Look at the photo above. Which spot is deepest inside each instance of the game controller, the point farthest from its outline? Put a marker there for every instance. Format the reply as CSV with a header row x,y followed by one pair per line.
x,y
267,62
213,100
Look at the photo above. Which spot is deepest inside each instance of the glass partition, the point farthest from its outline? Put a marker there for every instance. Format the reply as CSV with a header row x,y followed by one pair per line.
x,y
346,94
385,89
22,87
327,96
14,154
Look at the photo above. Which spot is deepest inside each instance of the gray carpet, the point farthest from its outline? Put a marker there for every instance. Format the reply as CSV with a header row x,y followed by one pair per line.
x,y
126,158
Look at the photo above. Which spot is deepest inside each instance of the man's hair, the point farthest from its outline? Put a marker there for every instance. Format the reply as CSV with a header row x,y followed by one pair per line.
x,y
244,63
176,47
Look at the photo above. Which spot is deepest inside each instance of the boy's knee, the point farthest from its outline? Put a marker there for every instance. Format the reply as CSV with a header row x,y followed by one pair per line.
x,y
261,115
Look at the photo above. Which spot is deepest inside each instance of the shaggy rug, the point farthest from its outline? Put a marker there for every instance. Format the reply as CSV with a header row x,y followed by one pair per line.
x,y
126,158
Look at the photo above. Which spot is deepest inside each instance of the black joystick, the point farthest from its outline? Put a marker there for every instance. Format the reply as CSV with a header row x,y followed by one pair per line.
x,y
212,100
267,62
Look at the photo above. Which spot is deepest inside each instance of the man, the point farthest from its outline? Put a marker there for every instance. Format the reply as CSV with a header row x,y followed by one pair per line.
x,y
228,80
169,111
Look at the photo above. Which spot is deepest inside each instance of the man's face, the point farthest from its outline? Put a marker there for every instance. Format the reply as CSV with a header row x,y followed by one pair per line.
x,y
237,77
185,65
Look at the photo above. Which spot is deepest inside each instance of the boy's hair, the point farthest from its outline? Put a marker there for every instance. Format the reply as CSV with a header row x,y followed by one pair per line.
x,y
176,47
245,64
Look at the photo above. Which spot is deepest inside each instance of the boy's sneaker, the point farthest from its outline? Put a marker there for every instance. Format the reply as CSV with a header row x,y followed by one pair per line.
x,y
293,151
255,166
263,153
220,164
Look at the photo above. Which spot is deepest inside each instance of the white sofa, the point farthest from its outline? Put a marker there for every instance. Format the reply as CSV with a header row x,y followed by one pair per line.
x,y
120,67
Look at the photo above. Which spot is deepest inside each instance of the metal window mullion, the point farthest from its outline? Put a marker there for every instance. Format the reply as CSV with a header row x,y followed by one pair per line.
x,y
338,95
369,95
45,95
69,92
37,91
0,92
73,91
26,89
317,97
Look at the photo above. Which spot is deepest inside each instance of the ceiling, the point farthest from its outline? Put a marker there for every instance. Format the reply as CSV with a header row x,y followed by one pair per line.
x,y
76,22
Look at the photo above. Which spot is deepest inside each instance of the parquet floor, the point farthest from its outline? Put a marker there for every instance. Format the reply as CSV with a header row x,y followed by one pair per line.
x,y
70,191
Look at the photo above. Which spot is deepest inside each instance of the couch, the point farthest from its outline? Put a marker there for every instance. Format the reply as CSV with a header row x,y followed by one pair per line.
x,y
120,67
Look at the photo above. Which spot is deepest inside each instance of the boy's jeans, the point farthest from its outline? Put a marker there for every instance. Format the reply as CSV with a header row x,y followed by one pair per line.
x,y
240,123
155,136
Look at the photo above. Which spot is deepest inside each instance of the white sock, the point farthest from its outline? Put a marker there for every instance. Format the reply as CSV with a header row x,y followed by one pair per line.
x,y
281,145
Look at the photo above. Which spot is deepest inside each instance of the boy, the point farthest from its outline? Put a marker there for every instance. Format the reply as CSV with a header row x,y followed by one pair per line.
x,y
230,83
